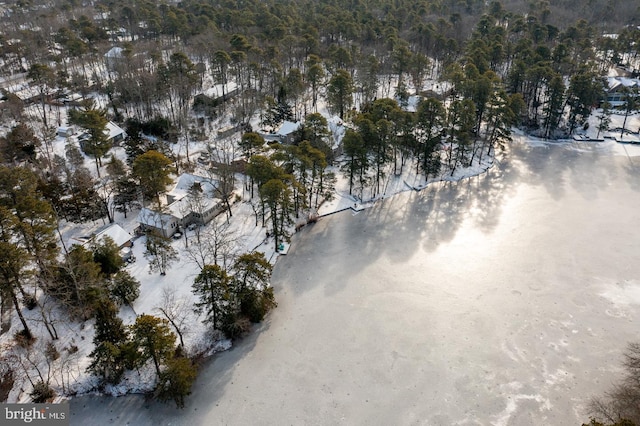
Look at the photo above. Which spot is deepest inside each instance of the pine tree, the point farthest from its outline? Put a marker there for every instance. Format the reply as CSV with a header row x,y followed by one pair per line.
x,y
107,254
160,253
175,381
357,163
212,287
151,169
108,360
252,270
124,289
154,339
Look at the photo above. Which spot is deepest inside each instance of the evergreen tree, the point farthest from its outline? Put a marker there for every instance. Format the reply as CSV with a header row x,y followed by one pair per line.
x,y
357,164
13,266
107,254
277,196
154,339
429,123
124,289
107,358
553,108
631,105
604,118
151,169
95,122
212,287
340,91
159,252
175,381
584,92
252,270
19,145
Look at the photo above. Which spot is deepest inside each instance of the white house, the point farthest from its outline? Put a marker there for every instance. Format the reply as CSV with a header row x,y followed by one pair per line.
x,y
115,133
183,208
117,233
617,88
284,134
163,223
186,182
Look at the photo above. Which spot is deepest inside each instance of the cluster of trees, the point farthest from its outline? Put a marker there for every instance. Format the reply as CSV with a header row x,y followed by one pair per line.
x,y
230,300
620,405
438,135
33,273
282,59
290,177
149,339
79,280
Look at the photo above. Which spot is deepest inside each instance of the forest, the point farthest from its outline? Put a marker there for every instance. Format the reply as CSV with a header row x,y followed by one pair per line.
x,y
435,85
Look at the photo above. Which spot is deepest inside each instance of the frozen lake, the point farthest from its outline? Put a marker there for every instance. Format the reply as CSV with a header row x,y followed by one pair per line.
x,y
506,299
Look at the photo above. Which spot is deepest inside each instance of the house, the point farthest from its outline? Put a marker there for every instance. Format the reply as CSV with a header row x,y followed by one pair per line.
x,y
114,133
200,212
183,208
284,134
617,88
164,224
188,181
208,101
114,57
119,236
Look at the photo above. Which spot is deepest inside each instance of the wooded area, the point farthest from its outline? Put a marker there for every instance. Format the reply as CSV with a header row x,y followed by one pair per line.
x,y
432,84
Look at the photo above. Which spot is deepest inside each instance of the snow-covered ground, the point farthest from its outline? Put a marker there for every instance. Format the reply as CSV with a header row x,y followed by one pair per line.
x,y
75,343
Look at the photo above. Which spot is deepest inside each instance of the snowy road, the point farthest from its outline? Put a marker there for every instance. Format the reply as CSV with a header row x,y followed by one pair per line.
x,y
505,299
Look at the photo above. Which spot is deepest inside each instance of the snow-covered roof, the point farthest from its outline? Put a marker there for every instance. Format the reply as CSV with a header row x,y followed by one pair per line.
x,y
186,181
114,130
183,207
288,127
617,82
117,234
216,91
114,52
152,218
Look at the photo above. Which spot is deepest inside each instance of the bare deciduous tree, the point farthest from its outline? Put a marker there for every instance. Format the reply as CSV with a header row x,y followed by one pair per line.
x,y
214,245
622,401
176,310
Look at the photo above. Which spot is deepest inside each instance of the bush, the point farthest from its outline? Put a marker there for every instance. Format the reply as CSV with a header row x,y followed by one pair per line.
x,y
255,304
23,340
30,301
51,352
42,393
175,381
619,406
235,326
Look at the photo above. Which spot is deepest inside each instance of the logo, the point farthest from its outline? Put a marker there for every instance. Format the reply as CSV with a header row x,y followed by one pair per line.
x,y
36,414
